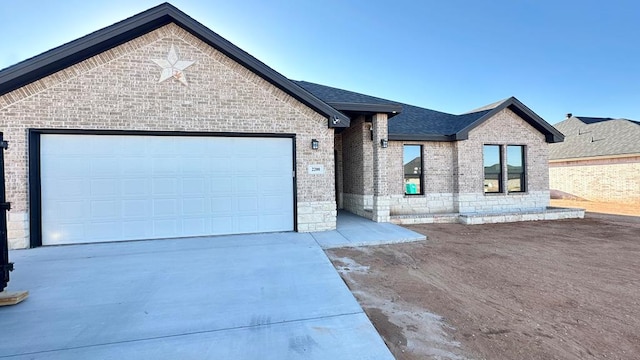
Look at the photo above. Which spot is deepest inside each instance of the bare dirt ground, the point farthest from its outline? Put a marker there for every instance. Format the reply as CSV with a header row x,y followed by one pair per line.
x,y
567,289
599,207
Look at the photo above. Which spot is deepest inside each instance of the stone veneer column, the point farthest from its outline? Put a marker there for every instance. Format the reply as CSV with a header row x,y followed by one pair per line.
x,y
381,199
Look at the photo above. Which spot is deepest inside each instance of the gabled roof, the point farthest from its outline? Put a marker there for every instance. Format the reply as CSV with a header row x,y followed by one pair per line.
x,y
552,135
592,137
416,123
59,58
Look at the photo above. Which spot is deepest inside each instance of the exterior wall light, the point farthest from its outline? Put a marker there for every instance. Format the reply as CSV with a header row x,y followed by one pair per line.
x,y
384,143
314,144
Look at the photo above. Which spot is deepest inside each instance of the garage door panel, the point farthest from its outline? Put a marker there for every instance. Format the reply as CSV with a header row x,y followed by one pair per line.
x,y
135,229
222,205
247,204
69,210
221,164
185,147
70,188
194,206
135,187
271,204
266,220
222,225
221,185
104,188
246,224
271,184
246,184
165,186
195,226
106,209
101,166
159,145
165,207
132,166
104,231
65,233
242,165
193,186
135,208
165,228
67,167
166,166
194,166
140,187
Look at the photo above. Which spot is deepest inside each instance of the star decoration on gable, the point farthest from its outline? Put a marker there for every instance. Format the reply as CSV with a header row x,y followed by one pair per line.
x,y
172,67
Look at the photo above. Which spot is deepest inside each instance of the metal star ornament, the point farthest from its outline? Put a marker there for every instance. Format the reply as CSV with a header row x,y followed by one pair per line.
x,y
172,67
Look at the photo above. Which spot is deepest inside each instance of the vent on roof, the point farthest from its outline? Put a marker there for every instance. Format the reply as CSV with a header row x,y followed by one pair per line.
x,y
569,115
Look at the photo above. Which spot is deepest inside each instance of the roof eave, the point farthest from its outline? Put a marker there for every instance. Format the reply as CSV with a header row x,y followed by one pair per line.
x,y
107,38
594,157
367,108
420,137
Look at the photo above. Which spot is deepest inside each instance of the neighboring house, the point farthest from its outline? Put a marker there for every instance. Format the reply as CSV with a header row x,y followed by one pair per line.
x,y
599,159
156,127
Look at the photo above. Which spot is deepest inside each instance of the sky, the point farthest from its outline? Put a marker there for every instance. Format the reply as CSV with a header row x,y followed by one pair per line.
x,y
555,56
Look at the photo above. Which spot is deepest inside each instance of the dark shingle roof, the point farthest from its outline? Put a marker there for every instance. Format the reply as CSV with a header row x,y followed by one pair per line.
x,y
590,137
411,122
415,120
334,95
349,101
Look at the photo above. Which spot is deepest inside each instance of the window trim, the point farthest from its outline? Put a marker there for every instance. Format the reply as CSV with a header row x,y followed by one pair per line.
x,y
421,175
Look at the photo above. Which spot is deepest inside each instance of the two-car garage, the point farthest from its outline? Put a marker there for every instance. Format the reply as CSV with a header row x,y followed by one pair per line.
x,y
98,187
157,127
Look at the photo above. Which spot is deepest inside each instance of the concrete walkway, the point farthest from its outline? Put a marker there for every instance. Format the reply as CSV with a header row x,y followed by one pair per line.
x,y
260,296
353,230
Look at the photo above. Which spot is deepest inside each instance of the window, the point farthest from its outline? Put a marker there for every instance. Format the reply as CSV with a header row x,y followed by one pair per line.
x,y
492,169
412,160
515,168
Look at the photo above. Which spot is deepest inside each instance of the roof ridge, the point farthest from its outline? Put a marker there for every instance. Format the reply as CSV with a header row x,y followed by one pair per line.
x,y
491,106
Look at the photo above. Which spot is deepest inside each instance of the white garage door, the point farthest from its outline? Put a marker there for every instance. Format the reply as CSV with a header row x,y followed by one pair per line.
x,y
114,188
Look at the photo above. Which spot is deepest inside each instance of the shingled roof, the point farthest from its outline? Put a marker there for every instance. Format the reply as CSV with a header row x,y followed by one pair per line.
x,y
414,123
593,137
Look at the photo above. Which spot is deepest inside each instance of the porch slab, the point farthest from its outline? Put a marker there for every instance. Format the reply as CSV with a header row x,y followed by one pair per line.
x,y
550,213
353,230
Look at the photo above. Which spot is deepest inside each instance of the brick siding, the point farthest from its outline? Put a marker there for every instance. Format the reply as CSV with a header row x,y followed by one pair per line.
x,y
608,180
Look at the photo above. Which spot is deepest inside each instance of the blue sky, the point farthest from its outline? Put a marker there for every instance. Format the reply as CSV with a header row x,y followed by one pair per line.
x,y
556,56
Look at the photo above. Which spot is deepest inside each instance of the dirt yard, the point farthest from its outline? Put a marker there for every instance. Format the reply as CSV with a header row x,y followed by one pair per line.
x,y
599,207
566,289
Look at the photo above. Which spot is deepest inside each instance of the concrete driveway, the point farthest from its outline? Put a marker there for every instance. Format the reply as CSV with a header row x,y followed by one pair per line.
x,y
264,296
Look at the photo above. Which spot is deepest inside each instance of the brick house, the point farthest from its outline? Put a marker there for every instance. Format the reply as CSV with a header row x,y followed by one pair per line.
x,y
599,160
156,127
